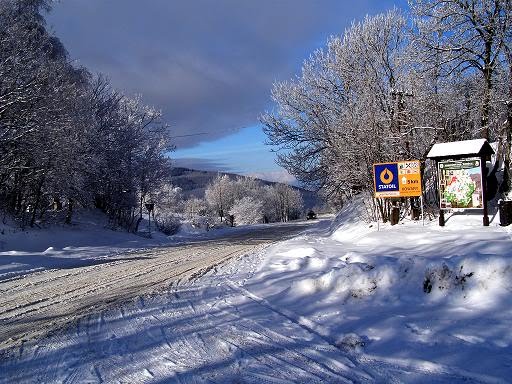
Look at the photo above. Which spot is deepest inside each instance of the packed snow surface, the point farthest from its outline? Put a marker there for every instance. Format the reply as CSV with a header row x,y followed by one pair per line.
x,y
345,302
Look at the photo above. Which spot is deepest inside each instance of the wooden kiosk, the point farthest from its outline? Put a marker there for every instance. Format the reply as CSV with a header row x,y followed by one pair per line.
x,y
462,175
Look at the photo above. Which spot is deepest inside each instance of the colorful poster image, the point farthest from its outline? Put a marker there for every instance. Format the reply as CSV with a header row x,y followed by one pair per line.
x,y
460,183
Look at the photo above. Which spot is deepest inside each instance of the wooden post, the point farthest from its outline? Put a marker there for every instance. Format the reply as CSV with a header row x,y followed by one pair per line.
x,y
441,212
422,212
484,191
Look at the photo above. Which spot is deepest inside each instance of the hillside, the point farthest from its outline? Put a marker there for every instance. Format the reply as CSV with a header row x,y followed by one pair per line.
x,y
194,182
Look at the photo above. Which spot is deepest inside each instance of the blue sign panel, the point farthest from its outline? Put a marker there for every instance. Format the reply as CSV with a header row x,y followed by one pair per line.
x,y
386,180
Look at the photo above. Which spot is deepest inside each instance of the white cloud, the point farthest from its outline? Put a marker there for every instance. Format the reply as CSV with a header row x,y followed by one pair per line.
x,y
281,176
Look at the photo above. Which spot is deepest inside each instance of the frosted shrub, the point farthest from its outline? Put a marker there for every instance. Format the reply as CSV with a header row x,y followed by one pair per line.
x,y
168,225
248,210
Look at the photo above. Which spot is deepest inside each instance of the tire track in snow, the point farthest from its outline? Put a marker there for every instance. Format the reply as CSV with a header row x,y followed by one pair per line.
x,y
284,352
65,297
101,287
445,373
305,324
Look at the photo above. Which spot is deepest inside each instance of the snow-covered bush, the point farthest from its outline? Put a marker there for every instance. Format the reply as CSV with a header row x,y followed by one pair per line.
x,y
168,224
195,207
352,342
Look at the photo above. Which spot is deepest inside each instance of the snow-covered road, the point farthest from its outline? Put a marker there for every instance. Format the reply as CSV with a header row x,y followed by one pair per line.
x,y
37,303
206,331
203,326
344,303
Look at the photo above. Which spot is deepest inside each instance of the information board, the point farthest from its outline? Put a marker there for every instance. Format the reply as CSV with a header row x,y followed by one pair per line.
x,y
460,183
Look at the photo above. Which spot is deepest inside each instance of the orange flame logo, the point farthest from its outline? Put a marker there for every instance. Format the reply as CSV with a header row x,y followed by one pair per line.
x,y
386,176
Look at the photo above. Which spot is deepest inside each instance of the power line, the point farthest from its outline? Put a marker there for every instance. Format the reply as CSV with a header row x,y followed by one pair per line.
x,y
209,133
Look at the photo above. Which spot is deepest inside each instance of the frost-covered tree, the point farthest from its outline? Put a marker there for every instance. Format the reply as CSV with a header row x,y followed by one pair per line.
x,y
195,207
383,92
168,198
466,36
282,203
249,201
67,138
246,187
219,195
41,99
348,109
247,210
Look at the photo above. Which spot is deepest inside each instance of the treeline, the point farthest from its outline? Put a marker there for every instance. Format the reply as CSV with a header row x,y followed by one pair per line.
x,y
393,85
67,138
250,202
227,201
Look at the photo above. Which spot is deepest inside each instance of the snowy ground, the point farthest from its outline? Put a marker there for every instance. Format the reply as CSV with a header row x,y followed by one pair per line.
x,y
87,243
410,303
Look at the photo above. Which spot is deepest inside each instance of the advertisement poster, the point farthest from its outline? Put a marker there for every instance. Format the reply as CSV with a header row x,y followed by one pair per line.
x,y
398,179
460,183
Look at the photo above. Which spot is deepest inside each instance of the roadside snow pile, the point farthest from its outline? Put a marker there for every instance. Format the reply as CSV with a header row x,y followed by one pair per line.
x,y
86,242
188,228
348,224
406,295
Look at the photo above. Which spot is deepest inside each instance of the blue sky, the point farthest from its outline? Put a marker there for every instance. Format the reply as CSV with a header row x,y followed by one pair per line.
x,y
243,152
208,65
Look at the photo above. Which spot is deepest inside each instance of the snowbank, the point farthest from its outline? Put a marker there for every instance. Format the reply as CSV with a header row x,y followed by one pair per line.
x,y
411,295
88,241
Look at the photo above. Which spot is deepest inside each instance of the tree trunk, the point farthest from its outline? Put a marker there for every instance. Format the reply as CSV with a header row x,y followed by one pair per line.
x,y
486,106
35,208
139,219
69,213
486,103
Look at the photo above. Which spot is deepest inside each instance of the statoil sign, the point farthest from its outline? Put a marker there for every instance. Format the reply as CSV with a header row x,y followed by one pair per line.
x,y
398,179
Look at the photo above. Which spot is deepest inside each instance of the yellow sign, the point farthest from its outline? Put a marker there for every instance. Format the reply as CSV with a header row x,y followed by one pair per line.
x,y
399,179
409,178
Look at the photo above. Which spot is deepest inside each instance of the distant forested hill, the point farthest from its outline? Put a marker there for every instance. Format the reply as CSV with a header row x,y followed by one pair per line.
x,y
194,182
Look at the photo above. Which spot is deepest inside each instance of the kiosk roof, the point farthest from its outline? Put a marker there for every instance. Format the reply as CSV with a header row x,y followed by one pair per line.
x,y
477,147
